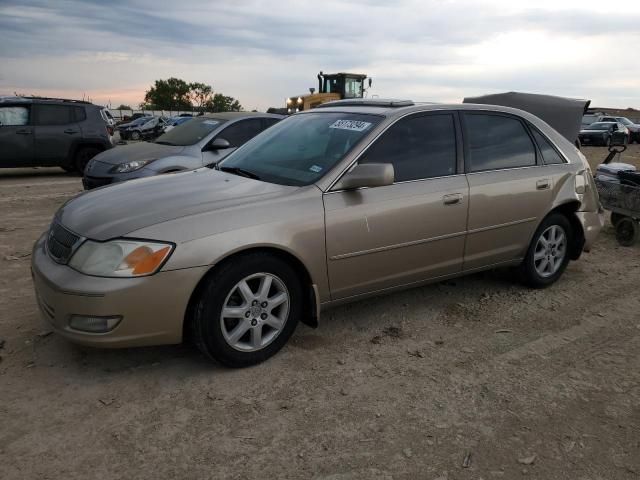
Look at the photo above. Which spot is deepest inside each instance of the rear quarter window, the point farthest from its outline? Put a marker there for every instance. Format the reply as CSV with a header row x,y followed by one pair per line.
x,y
550,155
496,142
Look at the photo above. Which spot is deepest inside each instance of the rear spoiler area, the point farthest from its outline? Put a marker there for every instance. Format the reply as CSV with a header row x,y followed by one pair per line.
x,y
563,114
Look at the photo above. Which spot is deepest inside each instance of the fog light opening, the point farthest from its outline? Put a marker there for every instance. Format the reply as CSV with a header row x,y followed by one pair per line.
x,y
93,324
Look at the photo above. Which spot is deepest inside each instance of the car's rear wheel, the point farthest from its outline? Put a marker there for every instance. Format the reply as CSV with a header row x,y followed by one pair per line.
x,y
247,310
627,231
83,155
616,217
548,254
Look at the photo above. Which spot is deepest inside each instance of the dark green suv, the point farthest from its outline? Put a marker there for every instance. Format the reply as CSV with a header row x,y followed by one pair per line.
x,y
49,132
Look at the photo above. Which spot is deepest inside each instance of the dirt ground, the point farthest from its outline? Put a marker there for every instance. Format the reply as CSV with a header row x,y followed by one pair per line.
x,y
477,378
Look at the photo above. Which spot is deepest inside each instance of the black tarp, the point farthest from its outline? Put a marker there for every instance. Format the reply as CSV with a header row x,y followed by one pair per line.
x,y
563,114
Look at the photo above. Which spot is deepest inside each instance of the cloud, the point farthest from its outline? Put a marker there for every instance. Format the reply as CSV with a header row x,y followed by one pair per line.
x,y
261,51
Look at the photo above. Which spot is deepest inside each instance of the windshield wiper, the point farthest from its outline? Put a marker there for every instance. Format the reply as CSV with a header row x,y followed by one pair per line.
x,y
239,171
165,143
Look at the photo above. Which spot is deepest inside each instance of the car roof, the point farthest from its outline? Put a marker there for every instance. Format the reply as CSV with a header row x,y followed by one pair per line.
x,y
236,115
398,108
564,115
55,101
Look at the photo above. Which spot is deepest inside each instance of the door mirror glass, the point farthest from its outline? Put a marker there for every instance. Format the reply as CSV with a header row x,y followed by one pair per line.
x,y
219,144
366,175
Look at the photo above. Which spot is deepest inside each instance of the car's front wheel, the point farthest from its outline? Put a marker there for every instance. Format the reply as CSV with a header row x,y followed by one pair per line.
x,y
135,135
247,310
548,253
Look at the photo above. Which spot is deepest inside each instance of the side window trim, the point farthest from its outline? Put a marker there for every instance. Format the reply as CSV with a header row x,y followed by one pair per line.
x,y
456,131
459,143
550,142
467,156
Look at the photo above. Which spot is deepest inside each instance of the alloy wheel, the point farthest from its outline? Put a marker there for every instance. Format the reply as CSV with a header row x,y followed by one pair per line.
x,y
255,312
550,251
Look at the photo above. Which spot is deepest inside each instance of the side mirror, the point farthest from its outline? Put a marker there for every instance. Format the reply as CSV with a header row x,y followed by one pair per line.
x,y
218,144
367,175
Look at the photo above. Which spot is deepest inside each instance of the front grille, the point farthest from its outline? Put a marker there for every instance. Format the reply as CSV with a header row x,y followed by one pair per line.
x,y
60,243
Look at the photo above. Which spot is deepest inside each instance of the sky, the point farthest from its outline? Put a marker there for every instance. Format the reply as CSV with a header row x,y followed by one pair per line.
x,y
261,52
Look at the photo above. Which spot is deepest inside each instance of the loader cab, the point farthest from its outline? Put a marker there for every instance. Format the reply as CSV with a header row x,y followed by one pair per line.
x,y
347,85
331,87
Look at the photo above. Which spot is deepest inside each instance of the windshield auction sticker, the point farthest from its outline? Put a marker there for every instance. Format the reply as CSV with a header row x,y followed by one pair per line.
x,y
355,125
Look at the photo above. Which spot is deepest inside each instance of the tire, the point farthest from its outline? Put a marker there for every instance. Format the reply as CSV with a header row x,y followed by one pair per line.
x,y
230,340
534,272
82,157
627,231
135,135
616,217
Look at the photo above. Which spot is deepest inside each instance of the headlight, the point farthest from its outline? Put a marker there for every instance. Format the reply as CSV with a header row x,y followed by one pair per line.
x,y
130,166
120,258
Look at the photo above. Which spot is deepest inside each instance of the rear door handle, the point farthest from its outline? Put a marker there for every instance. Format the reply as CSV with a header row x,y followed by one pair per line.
x,y
70,131
452,199
543,184
24,131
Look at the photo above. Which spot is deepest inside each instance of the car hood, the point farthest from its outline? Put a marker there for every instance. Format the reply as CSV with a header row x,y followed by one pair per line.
x,y
137,151
119,209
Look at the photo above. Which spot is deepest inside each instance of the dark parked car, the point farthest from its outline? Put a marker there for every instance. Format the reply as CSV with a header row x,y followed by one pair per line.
x,y
125,129
202,141
604,133
49,132
149,130
634,128
174,122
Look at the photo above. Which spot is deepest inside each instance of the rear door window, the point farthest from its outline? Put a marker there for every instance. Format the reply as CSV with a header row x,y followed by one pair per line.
x,y
14,116
420,146
496,142
550,155
241,132
54,115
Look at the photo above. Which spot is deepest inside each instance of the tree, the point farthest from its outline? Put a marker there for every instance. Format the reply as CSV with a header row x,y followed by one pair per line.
x,y
223,103
170,94
201,94
123,107
176,94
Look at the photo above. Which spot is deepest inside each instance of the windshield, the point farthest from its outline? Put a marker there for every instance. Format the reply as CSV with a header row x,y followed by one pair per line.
x,y
624,121
190,133
599,126
301,149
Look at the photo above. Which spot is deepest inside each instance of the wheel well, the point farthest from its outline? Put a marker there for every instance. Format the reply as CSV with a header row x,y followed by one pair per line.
x,y
568,210
80,146
309,301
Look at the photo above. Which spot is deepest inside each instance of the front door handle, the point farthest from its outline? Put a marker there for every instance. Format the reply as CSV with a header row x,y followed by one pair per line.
x,y
70,131
24,131
452,199
543,184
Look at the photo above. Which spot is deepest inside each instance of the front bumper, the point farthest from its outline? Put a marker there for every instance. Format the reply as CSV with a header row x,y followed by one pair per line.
x,y
152,308
592,223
